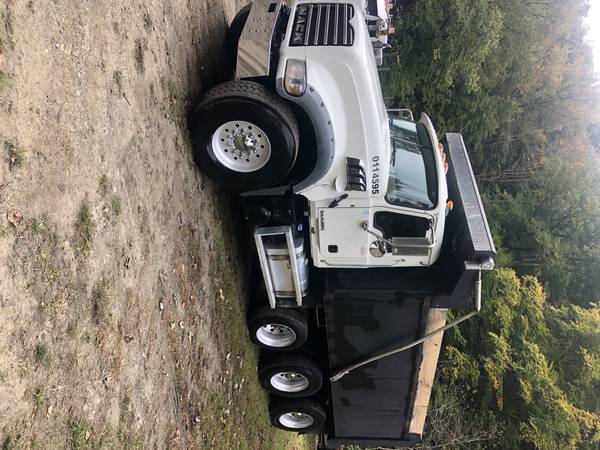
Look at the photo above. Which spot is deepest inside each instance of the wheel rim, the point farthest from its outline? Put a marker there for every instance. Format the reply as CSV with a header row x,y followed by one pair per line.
x,y
296,420
289,382
275,335
241,146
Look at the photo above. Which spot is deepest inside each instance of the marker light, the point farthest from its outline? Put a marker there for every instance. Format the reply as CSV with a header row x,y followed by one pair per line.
x,y
446,167
444,156
449,206
295,77
440,146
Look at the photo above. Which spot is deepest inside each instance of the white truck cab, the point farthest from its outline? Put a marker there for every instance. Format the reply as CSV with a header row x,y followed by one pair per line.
x,y
398,220
376,192
388,166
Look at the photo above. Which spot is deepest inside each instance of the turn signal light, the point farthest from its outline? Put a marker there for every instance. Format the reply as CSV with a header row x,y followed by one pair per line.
x,y
449,206
295,77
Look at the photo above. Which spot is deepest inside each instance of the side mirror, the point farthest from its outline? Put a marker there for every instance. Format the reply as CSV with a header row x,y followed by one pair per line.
x,y
377,249
401,113
378,56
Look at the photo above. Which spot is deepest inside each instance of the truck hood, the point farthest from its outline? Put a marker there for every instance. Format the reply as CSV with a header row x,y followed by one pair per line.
x,y
347,81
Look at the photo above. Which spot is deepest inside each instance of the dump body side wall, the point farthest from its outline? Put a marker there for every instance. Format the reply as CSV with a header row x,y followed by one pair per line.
x,y
374,401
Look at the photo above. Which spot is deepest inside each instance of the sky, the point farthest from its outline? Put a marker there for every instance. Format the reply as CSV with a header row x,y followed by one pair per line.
x,y
593,22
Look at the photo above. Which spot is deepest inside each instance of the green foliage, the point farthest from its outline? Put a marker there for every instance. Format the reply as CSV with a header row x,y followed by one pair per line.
x,y
576,352
85,228
452,425
534,366
551,228
515,77
41,353
442,48
496,365
77,434
17,154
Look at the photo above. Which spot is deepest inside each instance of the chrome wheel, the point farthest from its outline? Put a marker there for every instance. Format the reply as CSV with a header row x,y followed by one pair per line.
x,y
296,420
275,335
289,382
241,146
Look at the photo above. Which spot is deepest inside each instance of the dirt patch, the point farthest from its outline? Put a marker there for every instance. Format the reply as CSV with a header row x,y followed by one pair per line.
x,y
122,288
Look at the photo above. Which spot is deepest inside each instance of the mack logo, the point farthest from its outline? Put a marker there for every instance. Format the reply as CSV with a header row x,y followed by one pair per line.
x,y
322,220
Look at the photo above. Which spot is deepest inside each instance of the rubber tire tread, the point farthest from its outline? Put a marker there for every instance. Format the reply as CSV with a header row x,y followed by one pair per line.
x,y
291,362
218,106
258,92
304,405
285,316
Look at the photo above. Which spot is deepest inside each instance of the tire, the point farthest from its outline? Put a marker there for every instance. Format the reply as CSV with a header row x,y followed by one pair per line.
x,y
300,415
232,36
280,329
290,375
238,121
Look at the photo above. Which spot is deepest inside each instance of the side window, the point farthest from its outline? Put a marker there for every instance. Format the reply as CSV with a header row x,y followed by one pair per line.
x,y
400,225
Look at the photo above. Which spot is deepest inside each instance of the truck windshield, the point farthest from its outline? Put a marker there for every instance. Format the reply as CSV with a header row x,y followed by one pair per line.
x,y
413,175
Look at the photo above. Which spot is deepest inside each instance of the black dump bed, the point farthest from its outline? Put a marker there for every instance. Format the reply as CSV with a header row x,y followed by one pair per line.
x,y
370,311
372,404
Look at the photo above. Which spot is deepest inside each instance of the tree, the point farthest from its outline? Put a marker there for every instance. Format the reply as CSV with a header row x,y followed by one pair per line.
x,y
506,362
551,227
515,78
575,353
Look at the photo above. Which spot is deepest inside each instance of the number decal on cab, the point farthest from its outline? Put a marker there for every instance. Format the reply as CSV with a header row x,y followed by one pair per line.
x,y
375,175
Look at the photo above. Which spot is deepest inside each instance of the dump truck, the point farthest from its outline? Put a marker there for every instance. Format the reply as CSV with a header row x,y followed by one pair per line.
x,y
366,228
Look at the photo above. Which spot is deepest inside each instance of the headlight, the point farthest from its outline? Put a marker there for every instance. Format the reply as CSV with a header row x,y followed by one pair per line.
x,y
295,77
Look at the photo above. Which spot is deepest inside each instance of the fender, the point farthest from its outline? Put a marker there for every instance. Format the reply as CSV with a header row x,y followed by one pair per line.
x,y
312,103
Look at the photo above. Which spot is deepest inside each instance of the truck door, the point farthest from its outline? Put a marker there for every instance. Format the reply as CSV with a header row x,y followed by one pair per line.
x,y
341,239
411,236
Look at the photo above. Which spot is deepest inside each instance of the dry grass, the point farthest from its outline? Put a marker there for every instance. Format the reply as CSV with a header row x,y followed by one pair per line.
x,y
85,228
139,56
16,153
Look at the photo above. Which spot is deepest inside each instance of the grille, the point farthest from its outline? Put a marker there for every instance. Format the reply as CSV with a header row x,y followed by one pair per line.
x,y
323,24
